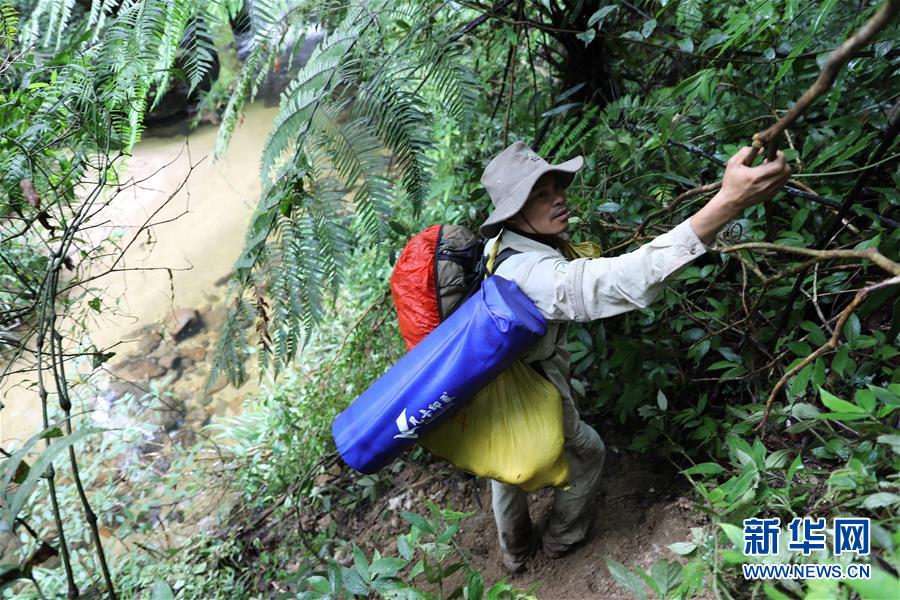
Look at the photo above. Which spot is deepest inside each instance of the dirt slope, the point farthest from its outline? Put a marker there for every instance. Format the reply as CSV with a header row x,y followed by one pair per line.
x,y
641,509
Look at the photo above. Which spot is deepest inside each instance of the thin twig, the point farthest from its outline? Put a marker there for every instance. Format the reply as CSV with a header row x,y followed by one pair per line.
x,y
831,344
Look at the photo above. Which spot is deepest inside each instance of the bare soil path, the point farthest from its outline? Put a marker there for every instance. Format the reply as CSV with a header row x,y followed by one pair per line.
x,y
641,509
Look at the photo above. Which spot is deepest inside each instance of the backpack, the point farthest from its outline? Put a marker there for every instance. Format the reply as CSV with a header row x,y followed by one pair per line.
x,y
438,270
512,430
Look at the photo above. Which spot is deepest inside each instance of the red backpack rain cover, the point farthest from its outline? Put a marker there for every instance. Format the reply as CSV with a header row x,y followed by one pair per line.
x,y
413,287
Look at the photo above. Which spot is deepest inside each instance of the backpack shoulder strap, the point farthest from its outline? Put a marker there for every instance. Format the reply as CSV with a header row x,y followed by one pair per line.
x,y
503,255
494,259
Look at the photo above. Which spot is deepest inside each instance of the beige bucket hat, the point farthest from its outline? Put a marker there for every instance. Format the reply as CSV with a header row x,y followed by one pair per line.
x,y
509,178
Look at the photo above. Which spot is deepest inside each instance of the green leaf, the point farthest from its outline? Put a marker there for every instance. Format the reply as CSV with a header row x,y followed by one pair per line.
x,y
319,584
398,228
880,584
865,399
95,303
564,108
686,44
387,566
839,362
37,470
852,329
715,38
598,17
53,432
627,579
353,582
361,564
734,534
632,35
587,36
804,410
161,591
648,28
893,440
837,405
880,500
667,576
661,400
731,355
722,364
708,468
778,459
417,521
404,548
801,349
474,586
682,548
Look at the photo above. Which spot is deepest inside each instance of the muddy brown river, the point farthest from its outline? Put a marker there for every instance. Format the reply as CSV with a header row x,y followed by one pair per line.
x,y
200,234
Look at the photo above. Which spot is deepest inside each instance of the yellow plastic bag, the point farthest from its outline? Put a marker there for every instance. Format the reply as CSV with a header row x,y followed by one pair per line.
x,y
512,431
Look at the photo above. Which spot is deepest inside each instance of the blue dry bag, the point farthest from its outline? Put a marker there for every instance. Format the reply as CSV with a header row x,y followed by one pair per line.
x,y
459,357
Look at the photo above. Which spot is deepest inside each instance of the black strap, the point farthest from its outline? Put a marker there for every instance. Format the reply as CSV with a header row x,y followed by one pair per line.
x,y
481,272
501,258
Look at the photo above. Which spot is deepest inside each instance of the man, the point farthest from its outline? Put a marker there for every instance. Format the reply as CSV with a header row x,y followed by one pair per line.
x,y
530,213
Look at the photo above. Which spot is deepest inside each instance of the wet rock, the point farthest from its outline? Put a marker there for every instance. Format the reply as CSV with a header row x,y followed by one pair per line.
x,y
235,404
119,388
138,369
218,385
219,407
194,353
184,323
204,399
195,419
169,359
147,341
215,318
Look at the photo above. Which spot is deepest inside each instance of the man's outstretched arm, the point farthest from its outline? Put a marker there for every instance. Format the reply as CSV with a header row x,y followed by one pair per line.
x,y
742,187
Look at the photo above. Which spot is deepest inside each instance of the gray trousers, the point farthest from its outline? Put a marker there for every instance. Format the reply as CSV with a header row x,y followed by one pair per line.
x,y
573,508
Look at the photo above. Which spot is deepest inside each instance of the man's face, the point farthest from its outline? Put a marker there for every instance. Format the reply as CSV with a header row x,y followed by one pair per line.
x,y
545,211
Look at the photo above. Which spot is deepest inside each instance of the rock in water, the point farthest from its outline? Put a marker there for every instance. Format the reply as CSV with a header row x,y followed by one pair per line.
x,y
138,369
184,323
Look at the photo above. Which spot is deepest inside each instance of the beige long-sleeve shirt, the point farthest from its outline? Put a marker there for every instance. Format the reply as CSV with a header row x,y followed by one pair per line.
x,y
586,289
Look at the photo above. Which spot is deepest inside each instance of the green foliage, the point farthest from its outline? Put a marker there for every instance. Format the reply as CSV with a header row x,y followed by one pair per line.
x,y
427,558
327,180
665,580
385,130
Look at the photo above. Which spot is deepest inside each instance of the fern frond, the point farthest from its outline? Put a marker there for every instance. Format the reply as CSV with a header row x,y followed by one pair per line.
x,y
177,17
9,24
327,67
100,11
199,48
257,62
401,122
231,353
354,150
